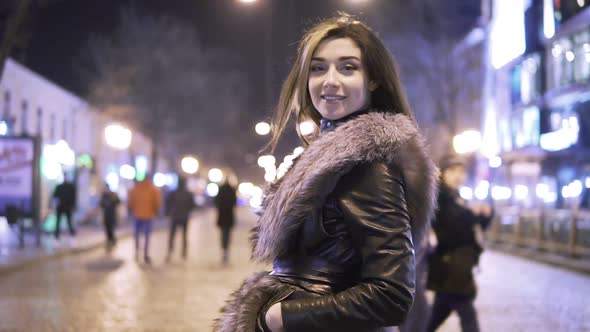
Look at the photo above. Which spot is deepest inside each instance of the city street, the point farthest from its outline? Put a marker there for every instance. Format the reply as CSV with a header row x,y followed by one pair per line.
x,y
97,292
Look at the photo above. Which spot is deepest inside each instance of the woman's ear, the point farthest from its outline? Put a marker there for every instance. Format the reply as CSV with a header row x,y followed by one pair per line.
x,y
373,86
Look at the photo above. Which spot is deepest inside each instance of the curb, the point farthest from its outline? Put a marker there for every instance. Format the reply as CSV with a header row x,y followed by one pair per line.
x,y
563,262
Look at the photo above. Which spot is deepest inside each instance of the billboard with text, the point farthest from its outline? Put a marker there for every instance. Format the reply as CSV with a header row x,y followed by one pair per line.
x,y
17,156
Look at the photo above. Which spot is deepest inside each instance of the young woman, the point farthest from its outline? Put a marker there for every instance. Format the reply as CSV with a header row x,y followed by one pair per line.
x,y
340,226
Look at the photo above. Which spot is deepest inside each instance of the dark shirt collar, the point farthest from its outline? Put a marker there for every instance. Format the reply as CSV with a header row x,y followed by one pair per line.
x,y
327,125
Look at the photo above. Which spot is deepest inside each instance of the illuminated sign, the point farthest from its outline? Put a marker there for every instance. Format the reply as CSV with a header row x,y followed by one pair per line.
x,y
17,174
507,34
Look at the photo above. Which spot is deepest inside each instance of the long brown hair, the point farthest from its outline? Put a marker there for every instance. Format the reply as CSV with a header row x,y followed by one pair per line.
x,y
388,97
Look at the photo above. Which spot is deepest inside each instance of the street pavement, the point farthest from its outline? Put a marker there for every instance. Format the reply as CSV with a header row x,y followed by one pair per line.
x,y
96,291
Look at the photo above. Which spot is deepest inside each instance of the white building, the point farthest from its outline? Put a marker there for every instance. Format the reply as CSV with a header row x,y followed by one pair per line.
x,y
72,135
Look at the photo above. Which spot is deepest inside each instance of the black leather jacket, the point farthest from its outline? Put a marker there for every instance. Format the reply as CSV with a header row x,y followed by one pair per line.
x,y
352,263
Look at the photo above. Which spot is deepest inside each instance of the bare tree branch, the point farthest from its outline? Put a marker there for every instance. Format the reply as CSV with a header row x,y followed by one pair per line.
x,y
180,94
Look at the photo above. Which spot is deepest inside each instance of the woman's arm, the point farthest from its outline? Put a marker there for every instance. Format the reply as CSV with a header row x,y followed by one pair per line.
x,y
373,203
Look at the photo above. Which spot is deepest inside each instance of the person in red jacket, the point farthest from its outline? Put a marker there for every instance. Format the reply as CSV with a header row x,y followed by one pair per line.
x,y
144,204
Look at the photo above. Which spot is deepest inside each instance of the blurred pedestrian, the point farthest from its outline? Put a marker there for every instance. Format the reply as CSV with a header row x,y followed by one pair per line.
x,y
144,203
109,201
179,205
225,201
65,194
341,226
456,226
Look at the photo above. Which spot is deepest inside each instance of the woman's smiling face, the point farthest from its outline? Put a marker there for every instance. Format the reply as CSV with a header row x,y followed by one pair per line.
x,y
338,82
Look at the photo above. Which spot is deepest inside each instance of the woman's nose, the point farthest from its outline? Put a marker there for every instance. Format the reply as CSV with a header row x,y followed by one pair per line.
x,y
331,79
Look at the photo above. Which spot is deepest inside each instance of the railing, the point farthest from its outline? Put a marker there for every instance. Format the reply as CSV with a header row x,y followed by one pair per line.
x,y
561,231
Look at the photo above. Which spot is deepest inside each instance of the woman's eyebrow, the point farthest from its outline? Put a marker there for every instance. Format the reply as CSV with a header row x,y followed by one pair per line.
x,y
342,58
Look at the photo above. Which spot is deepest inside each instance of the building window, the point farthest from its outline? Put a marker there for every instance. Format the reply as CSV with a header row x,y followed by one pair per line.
x,y
581,52
566,9
24,119
39,121
526,127
64,129
570,60
6,111
52,128
526,80
562,73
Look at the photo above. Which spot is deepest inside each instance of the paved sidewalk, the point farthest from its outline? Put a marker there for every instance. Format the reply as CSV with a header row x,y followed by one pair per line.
x,y
114,292
578,264
88,237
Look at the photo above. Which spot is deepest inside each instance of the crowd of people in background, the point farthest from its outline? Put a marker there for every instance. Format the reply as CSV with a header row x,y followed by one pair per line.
x,y
145,203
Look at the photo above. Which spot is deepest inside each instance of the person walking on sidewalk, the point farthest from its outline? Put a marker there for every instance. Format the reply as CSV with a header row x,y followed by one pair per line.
x,y
225,203
179,205
109,201
144,204
65,194
457,227
341,225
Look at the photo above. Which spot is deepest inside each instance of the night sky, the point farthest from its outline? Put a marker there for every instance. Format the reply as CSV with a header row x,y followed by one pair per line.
x,y
61,29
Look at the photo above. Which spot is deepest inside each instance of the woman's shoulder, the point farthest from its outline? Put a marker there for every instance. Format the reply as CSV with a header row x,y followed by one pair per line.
x,y
372,175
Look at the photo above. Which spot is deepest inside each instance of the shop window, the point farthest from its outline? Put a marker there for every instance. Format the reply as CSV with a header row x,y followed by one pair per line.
x,y
526,81
562,63
570,60
526,127
564,125
581,52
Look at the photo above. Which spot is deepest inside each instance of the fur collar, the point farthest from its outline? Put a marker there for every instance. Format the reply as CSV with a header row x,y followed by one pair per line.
x,y
374,136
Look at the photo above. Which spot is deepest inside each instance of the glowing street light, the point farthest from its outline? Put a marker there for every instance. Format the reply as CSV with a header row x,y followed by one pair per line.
x,y
118,136
127,172
215,175
212,189
306,127
266,161
3,128
262,128
246,188
189,164
467,141
247,1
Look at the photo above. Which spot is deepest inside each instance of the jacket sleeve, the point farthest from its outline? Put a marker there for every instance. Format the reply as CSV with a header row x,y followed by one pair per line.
x,y
374,205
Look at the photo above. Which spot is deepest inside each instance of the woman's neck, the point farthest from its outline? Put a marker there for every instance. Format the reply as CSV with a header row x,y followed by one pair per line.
x,y
328,125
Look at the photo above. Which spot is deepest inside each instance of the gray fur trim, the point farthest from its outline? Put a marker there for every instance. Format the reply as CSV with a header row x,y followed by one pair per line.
x,y
240,312
374,136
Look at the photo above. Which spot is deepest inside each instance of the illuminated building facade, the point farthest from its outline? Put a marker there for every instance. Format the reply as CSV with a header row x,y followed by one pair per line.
x,y
72,135
537,116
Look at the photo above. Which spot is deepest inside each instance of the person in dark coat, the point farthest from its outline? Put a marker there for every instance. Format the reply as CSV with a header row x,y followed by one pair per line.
x,y
341,225
109,201
458,248
179,205
225,201
65,194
